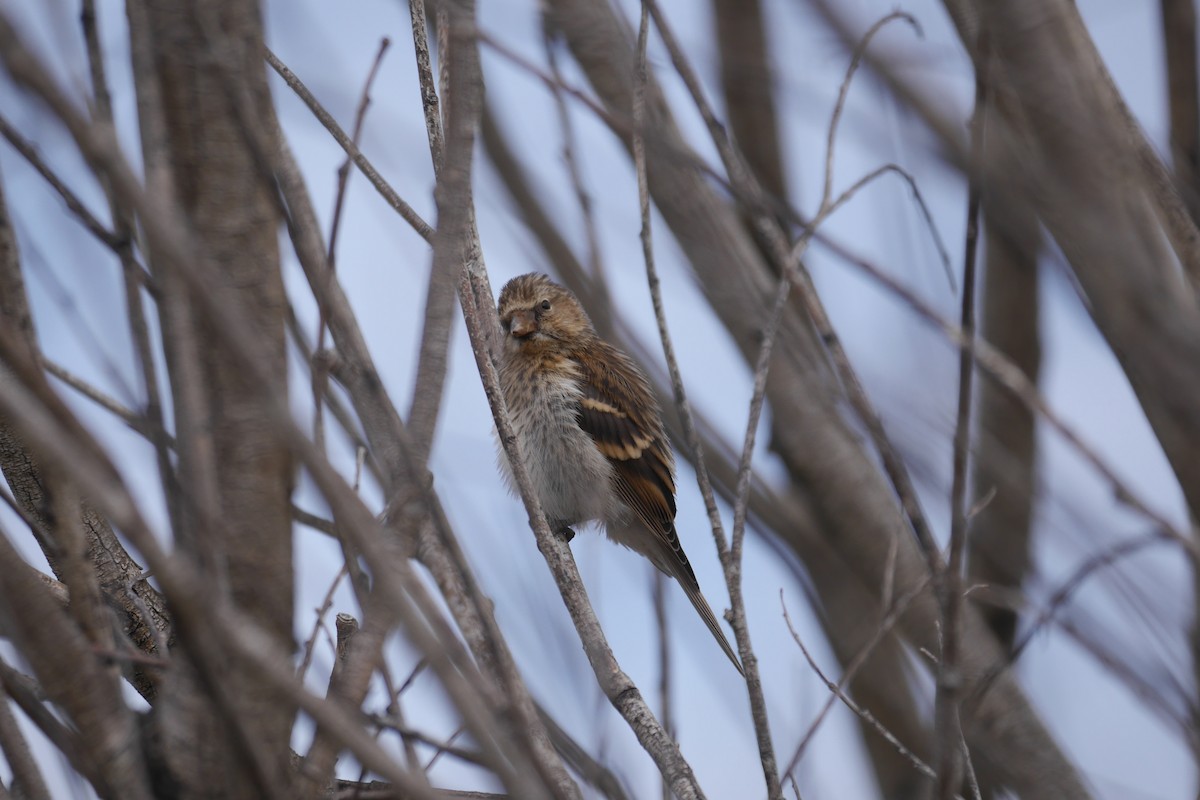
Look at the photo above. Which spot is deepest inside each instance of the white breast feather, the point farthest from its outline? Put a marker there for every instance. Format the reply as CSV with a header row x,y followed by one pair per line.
x,y
570,475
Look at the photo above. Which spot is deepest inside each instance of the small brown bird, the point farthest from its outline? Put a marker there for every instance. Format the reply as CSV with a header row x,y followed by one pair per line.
x,y
591,431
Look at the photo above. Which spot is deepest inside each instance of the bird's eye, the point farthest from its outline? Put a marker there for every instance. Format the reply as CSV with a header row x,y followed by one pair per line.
x,y
545,305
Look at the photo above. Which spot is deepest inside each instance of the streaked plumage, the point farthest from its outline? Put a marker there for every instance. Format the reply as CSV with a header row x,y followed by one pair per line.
x,y
591,431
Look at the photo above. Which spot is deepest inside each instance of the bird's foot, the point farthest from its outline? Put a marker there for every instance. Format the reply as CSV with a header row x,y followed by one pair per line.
x,y
566,533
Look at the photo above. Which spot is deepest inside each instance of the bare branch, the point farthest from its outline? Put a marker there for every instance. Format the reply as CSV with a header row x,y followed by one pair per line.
x,y
862,713
399,206
947,723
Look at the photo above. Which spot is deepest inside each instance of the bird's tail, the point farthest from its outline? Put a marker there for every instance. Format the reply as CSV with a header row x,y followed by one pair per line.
x,y
664,552
710,619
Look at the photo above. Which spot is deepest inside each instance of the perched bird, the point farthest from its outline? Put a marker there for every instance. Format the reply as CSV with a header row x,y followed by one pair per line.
x,y
591,431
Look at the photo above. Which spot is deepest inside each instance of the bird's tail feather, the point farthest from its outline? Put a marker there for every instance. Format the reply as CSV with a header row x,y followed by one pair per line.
x,y
710,619
671,561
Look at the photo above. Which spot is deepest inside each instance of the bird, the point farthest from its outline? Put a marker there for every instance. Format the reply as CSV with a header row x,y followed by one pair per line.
x,y
591,431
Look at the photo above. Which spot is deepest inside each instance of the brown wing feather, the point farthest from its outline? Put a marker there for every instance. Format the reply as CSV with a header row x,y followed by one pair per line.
x,y
618,411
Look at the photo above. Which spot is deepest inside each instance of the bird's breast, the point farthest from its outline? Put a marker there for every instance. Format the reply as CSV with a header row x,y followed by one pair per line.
x,y
570,475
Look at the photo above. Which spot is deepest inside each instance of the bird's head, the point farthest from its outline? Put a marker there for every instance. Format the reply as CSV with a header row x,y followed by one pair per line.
x,y
538,314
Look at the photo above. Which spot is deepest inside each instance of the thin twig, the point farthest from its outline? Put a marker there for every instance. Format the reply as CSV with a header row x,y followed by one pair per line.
x,y
1060,597
30,153
888,622
840,104
320,377
332,400
100,398
861,712
448,747
368,169
311,642
602,307
1012,379
918,197
731,560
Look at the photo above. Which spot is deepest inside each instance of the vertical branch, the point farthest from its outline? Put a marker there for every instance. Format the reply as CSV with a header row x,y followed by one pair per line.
x,y
215,98
731,560
947,723
320,372
664,660
747,86
134,277
429,95
25,772
1006,452
1183,97
458,260
450,153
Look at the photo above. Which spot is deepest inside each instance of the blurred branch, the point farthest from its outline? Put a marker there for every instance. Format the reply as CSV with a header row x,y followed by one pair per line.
x,y
73,677
747,85
333,400
852,666
1006,451
30,153
456,246
98,559
731,561
1013,380
446,265
105,401
1078,139
1183,98
24,768
135,275
31,699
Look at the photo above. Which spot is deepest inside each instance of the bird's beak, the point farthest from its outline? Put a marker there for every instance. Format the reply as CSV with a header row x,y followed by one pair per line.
x,y
523,323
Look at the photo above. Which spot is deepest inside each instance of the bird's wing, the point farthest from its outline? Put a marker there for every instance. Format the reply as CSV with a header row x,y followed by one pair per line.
x,y
618,411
